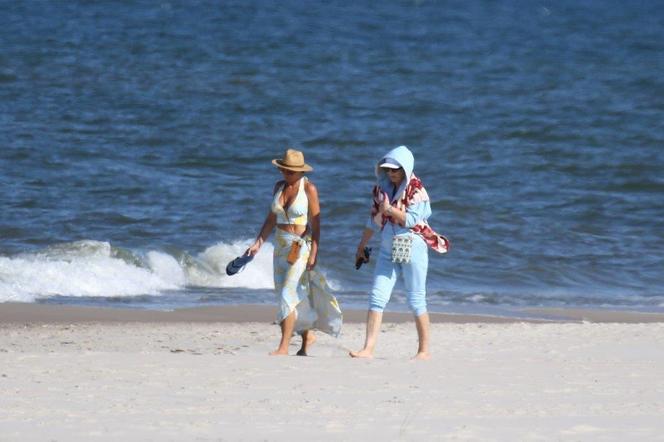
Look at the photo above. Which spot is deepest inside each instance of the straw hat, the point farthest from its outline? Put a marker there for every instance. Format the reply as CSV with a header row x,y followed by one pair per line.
x,y
293,160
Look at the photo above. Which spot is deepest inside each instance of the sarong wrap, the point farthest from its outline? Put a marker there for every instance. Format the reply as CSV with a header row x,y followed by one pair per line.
x,y
304,291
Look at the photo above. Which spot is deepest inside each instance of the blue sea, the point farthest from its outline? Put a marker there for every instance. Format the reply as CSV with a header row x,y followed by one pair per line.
x,y
136,140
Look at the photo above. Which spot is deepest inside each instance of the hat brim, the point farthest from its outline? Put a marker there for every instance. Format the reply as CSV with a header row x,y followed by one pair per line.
x,y
303,168
389,166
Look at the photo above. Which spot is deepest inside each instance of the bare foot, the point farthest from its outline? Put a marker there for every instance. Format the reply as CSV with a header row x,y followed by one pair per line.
x,y
422,356
279,352
363,354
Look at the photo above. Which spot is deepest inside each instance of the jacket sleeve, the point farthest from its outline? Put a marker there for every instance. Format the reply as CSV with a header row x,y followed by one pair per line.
x,y
416,213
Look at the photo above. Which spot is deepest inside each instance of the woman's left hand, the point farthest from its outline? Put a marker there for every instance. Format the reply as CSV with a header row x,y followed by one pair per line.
x,y
311,263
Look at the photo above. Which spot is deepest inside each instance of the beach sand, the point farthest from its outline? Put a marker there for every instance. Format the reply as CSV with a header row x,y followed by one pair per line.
x,y
75,373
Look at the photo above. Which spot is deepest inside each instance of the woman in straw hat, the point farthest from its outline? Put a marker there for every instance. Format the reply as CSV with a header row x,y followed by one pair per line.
x,y
305,302
400,210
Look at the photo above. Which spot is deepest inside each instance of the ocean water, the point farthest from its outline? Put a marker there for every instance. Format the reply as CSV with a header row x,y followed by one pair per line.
x,y
136,139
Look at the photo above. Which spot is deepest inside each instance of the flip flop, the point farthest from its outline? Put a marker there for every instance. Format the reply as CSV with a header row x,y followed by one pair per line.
x,y
238,264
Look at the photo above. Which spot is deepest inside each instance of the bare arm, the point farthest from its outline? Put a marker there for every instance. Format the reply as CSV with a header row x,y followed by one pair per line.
x,y
266,229
314,217
366,236
264,234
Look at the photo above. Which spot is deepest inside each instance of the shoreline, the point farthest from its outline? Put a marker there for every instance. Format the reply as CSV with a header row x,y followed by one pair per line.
x,y
250,313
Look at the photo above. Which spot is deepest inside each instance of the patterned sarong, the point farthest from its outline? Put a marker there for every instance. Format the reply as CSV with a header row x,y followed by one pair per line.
x,y
302,291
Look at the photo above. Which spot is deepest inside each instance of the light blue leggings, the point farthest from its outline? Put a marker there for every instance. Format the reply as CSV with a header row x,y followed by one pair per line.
x,y
414,276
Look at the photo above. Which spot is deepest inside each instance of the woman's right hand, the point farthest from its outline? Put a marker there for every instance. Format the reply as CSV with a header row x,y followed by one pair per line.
x,y
360,255
384,205
253,250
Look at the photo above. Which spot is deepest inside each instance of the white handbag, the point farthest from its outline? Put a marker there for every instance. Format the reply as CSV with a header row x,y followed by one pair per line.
x,y
402,246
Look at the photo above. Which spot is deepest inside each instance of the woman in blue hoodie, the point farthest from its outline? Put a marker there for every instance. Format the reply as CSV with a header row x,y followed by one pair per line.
x,y
400,209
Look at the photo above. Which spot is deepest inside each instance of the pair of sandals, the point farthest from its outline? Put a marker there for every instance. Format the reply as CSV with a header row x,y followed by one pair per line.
x,y
237,265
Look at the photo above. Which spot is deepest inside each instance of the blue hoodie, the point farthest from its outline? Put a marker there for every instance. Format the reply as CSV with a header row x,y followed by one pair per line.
x,y
404,158
415,213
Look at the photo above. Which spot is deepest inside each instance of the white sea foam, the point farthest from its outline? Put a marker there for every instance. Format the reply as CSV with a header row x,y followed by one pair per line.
x,y
95,269
478,299
166,268
257,274
87,273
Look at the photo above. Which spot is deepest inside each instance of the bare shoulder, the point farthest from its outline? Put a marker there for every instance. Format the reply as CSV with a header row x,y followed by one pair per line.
x,y
310,188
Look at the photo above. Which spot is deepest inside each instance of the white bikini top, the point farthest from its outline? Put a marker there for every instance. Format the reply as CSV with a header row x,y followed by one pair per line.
x,y
297,211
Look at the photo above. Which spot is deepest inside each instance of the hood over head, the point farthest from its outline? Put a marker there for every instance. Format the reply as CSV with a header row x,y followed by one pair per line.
x,y
401,156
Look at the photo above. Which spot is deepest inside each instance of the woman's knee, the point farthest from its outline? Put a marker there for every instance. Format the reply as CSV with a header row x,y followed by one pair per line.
x,y
417,303
377,304
378,299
